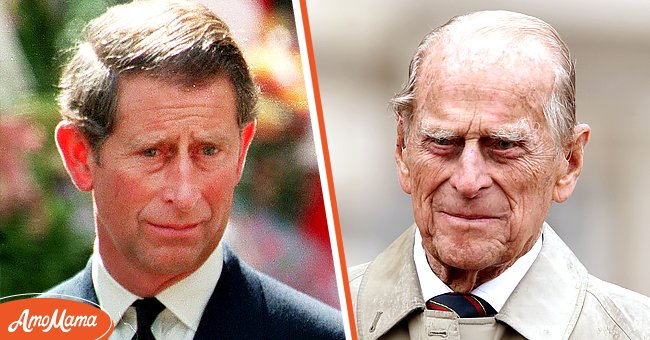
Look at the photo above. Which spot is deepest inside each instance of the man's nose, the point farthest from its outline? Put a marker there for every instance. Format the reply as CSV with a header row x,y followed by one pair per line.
x,y
470,174
182,189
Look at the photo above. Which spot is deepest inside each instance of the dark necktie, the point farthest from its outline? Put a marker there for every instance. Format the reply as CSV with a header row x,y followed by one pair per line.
x,y
147,310
464,305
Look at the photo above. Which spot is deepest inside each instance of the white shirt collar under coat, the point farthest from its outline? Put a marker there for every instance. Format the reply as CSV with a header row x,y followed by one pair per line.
x,y
495,291
186,299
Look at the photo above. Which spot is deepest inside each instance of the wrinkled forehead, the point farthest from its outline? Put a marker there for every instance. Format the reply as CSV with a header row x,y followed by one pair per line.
x,y
521,68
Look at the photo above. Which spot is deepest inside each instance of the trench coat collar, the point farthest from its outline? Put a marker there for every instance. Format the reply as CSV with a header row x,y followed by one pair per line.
x,y
548,300
390,291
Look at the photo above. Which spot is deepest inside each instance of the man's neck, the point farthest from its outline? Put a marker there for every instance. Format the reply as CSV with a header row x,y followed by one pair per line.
x,y
139,282
464,281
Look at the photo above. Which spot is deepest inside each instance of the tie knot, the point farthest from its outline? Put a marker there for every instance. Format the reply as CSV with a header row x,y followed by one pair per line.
x,y
463,305
147,310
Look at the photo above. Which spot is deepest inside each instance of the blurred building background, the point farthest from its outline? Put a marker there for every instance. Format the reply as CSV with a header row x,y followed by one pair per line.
x,y
46,226
362,51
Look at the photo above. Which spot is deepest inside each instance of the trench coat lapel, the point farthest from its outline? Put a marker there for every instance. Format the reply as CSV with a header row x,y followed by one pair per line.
x,y
389,290
548,300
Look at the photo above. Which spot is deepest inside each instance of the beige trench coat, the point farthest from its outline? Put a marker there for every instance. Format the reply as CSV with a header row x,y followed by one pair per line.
x,y
556,299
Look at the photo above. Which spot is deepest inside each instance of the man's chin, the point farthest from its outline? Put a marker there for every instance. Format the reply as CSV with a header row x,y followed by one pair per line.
x,y
173,263
465,265
468,258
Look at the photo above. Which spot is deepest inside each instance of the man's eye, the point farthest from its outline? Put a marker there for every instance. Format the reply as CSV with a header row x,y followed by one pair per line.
x,y
442,141
151,152
209,150
505,145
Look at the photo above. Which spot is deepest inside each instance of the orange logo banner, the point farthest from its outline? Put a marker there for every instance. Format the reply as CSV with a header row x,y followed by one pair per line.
x,y
53,318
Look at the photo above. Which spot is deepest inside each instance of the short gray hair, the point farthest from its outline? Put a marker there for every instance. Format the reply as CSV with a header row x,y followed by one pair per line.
x,y
559,109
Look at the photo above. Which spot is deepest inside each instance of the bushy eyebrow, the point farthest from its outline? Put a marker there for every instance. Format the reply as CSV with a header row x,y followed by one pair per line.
x,y
511,135
518,132
438,133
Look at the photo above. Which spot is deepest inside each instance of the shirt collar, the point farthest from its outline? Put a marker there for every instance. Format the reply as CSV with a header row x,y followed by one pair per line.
x,y
495,291
186,299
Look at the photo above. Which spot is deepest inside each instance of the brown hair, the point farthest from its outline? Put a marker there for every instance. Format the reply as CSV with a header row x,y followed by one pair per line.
x,y
176,40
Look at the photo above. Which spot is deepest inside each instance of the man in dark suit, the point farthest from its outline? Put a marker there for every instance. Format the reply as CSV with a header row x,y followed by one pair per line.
x,y
158,113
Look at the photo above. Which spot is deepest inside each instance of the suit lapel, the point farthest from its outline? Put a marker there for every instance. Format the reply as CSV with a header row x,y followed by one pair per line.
x,y
237,308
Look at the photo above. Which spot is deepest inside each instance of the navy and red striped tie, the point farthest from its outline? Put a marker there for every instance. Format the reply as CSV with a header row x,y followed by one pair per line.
x,y
464,305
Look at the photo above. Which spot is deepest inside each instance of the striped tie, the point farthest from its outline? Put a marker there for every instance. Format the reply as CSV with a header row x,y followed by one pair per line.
x,y
463,305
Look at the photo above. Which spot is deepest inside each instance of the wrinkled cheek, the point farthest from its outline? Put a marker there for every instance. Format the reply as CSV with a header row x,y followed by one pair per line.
x,y
423,209
528,212
426,178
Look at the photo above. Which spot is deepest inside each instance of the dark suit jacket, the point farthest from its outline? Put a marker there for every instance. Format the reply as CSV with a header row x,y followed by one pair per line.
x,y
246,304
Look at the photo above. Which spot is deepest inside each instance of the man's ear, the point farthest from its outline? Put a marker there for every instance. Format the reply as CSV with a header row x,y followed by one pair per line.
x,y
76,154
574,159
246,137
400,150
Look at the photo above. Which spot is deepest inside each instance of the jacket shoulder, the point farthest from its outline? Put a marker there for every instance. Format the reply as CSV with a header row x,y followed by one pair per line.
x,y
629,310
79,287
280,311
355,276
355,273
296,314
71,286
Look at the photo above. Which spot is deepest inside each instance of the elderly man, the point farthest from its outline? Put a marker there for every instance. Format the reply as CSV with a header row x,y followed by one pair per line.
x,y
487,139
159,112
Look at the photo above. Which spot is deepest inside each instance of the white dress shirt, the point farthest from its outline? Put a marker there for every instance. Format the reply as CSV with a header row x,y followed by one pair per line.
x,y
184,301
495,291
